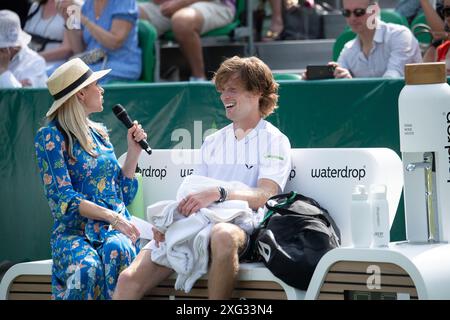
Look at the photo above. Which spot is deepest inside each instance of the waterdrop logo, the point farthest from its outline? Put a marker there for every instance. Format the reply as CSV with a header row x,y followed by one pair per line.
x,y
374,280
447,147
373,11
346,172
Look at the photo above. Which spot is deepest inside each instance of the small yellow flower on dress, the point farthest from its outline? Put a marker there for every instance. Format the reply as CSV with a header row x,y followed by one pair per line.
x,y
63,206
101,185
97,291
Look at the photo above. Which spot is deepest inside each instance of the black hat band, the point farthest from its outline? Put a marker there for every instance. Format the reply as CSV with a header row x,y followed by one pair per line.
x,y
73,85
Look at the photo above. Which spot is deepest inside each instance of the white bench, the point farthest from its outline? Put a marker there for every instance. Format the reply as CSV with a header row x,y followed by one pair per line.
x,y
327,175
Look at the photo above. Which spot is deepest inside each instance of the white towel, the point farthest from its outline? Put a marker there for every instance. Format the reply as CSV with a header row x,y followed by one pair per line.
x,y
187,238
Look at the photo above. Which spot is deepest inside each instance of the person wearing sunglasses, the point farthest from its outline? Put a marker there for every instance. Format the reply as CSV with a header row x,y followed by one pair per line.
x,y
380,49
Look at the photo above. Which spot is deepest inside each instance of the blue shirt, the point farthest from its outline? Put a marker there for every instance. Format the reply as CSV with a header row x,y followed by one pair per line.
x,y
408,8
125,62
393,47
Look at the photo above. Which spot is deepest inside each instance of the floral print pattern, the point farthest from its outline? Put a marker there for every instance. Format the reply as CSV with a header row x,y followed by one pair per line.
x,y
87,254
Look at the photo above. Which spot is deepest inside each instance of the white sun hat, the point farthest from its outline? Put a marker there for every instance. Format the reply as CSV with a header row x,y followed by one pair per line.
x,y
68,79
11,34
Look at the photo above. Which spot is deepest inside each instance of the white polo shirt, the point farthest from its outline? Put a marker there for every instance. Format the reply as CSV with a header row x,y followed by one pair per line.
x,y
264,152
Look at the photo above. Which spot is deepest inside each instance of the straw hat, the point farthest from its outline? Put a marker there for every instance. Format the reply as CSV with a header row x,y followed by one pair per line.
x,y
11,34
68,79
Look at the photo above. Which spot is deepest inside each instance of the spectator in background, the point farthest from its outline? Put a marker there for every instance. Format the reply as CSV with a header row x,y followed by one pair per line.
x,y
188,19
439,49
276,21
412,8
409,9
46,28
380,49
19,65
280,9
108,36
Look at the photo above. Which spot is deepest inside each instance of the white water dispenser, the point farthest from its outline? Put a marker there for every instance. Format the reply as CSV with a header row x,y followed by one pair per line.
x,y
424,115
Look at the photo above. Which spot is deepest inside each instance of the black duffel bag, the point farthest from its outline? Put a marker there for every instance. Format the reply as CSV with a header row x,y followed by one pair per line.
x,y
294,235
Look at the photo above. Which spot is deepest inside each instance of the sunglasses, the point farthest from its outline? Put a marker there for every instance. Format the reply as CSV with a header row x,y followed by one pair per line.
x,y
446,11
358,12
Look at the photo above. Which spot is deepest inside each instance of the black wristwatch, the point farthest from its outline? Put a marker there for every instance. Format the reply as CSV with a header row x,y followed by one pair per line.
x,y
223,195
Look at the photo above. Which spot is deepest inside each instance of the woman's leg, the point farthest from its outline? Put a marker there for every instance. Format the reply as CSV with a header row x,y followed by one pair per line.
x,y
117,253
77,272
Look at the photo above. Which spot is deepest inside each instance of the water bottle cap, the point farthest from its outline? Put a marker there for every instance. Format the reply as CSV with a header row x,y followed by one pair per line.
x,y
425,73
359,193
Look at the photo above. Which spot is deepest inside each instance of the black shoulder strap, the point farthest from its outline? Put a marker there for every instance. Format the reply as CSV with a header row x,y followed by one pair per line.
x,y
32,14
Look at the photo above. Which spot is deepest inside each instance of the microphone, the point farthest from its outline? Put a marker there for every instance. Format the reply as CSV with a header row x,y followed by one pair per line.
x,y
123,116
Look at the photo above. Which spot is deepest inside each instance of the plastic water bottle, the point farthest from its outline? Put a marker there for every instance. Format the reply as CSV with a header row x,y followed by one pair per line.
x,y
361,218
380,214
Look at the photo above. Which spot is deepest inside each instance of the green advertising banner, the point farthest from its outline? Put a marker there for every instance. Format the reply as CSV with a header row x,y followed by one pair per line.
x,y
313,114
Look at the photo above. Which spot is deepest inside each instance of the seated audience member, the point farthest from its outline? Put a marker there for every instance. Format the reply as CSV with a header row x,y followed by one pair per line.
x,y
408,8
380,49
108,37
276,21
188,20
261,161
46,28
19,65
439,49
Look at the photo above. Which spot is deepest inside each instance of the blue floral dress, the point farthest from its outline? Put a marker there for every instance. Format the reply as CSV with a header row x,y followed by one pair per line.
x,y
87,254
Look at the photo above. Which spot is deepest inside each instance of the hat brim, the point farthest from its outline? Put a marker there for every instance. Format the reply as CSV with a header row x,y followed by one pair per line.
x,y
94,77
24,38
22,41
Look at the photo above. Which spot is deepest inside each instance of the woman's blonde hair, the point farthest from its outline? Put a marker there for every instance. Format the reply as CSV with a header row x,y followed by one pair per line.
x,y
255,76
74,123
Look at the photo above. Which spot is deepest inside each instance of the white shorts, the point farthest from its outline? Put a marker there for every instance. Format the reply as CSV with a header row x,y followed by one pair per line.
x,y
215,15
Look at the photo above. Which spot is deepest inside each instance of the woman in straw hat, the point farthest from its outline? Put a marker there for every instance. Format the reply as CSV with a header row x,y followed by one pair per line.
x,y
92,238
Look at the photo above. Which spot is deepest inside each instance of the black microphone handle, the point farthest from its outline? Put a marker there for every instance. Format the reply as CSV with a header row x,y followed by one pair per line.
x,y
128,123
144,145
123,116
